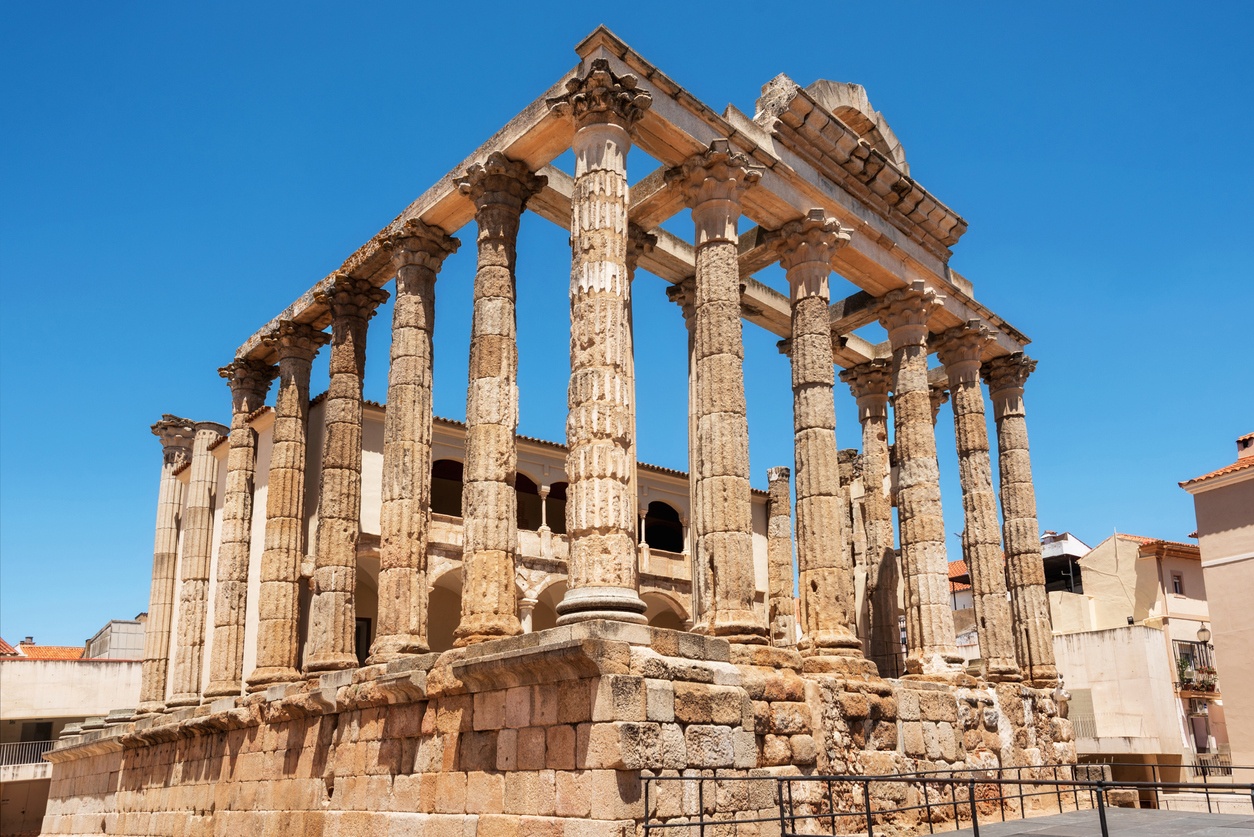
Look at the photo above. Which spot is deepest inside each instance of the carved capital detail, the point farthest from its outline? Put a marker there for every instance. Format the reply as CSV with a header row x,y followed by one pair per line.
x,y
420,244
500,181
713,183
806,248
350,298
960,349
1008,373
176,435
905,312
298,341
777,473
639,242
249,381
684,294
870,384
603,97
939,395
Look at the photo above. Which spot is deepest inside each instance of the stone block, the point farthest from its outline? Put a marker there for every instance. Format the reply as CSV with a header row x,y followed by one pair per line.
x,y
477,751
659,701
776,750
507,749
572,794
619,698
698,703
789,718
709,746
672,749
912,739
544,700
531,748
805,749
518,707
574,702
908,706
938,706
531,792
559,751
450,793
948,741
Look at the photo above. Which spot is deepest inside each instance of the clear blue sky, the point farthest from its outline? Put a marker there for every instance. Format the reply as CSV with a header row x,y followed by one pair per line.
x,y
173,175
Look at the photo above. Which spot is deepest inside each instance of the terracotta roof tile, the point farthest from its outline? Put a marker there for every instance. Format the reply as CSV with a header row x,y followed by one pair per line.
x,y
1239,465
1144,541
958,569
7,650
53,652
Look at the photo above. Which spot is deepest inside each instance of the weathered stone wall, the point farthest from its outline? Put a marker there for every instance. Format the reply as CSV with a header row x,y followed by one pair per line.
x,y
544,734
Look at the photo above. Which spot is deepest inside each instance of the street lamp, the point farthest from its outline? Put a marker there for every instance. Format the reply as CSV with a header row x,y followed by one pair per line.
x,y
1203,633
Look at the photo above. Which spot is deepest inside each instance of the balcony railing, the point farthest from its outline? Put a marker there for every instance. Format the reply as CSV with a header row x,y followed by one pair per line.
x,y
1084,723
24,752
1195,667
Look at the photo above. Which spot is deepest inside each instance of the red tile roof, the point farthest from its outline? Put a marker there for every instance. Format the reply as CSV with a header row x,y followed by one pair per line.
x,y
7,650
1239,465
958,569
53,652
1144,541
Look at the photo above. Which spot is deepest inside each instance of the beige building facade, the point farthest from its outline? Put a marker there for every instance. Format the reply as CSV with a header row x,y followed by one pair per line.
x,y
503,635
1224,504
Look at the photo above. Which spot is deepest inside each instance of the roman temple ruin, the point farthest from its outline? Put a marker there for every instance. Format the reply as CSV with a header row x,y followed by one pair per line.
x,y
366,619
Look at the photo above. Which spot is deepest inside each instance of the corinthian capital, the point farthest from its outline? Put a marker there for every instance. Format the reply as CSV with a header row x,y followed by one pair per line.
x,y
500,181
960,349
713,183
1006,375
684,294
420,244
806,248
602,97
870,383
905,312
639,242
249,381
298,341
351,298
939,395
176,435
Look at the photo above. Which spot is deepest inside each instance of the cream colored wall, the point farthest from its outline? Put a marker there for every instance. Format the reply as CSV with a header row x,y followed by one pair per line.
x,y
66,688
1116,585
1225,518
1131,678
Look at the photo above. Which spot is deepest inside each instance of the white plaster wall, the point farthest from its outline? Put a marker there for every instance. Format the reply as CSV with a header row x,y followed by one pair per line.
x,y
66,688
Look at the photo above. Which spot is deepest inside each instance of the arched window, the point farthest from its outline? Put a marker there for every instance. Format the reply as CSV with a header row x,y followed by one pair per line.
x,y
662,528
446,487
528,502
555,508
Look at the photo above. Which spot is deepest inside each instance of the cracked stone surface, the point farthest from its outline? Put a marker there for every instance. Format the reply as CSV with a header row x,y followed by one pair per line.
x,y
781,614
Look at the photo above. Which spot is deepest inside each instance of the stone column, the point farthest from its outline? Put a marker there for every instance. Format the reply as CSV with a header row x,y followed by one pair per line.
x,y
418,251
500,189
713,183
197,550
278,605
806,248
929,618
603,577
870,383
249,381
960,350
1028,601
684,295
176,449
783,616
333,610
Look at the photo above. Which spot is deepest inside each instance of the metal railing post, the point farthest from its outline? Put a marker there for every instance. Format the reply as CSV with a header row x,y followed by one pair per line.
x,y
975,817
831,804
779,791
1206,789
927,804
866,804
1101,807
701,805
647,815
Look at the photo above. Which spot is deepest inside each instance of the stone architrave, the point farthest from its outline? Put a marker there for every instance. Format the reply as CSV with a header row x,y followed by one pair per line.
x,y
278,605
249,381
333,610
176,436
782,615
825,576
932,648
196,554
870,383
601,501
499,188
713,183
684,295
959,350
418,251
1034,646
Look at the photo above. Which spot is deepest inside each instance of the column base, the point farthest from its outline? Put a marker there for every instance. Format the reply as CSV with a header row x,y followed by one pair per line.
x,y
738,626
1003,674
616,604
483,627
150,707
180,701
220,690
936,662
335,661
388,648
263,678
1042,677
816,662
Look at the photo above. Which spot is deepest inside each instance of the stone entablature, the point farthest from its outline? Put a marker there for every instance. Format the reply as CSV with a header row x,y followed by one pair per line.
x,y
572,597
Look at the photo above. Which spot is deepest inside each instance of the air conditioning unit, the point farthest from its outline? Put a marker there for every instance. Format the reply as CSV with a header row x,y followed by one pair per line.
x,y
1198,706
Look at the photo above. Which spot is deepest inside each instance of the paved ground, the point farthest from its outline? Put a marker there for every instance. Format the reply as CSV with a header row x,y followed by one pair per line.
x,y
1123,822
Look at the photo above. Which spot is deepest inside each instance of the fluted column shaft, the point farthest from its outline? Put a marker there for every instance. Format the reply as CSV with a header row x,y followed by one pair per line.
x,y
870,383
960,351
929,618
500,189
418,251
333,611
278,604
713,183
176,449
824,565
1034,642
249,381
782,616
684,295
601,499
196,554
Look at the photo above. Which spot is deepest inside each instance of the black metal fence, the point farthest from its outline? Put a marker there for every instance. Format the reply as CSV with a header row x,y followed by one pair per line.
x,y
709,805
